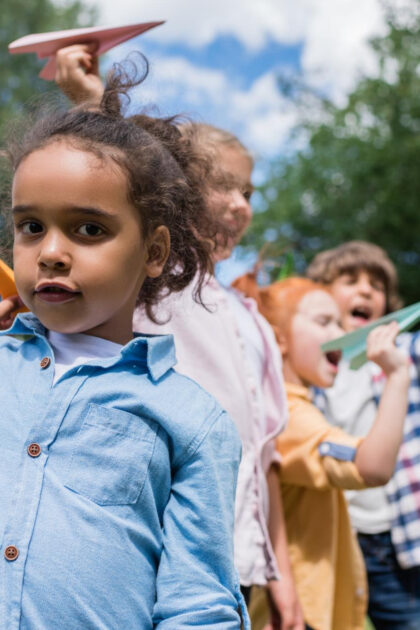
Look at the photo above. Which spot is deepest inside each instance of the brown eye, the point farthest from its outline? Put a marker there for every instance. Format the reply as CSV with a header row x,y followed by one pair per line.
x,y
90,229
31,227
323,320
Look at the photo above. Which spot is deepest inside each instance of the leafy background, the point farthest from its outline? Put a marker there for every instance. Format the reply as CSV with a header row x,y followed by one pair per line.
x,y
349,169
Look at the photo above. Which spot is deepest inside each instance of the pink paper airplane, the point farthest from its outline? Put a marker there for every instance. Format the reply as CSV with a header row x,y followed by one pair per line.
x,y
47,44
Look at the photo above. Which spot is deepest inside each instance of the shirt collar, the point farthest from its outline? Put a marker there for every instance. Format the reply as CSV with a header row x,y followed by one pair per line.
x,y
298,391
25,324
157,351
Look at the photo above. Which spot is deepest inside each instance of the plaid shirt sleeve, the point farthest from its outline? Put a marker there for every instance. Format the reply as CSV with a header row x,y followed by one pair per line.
x,y
404,488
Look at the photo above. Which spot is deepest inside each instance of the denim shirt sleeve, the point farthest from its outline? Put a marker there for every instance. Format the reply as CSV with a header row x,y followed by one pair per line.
x,y
197,586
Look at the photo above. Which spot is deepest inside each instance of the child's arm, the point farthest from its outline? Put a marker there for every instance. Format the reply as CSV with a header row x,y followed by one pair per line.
x,y
196,584
78,73
285,607
318,455
376,455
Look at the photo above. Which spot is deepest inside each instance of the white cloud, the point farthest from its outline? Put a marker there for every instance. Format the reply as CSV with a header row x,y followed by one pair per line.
x,y
334,36
259,115
267,117
198,22
175,79
336,47
332,26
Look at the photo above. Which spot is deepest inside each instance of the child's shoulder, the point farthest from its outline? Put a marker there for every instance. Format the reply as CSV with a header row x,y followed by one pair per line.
x,y
182,392
187,413
300,402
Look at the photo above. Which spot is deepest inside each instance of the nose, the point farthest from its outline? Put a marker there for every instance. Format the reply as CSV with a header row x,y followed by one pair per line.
x,y
364,286
54,253
239,205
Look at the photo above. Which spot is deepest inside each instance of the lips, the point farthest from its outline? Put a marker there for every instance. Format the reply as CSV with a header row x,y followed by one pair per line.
x,y
333,357
361,314
362,311
55,293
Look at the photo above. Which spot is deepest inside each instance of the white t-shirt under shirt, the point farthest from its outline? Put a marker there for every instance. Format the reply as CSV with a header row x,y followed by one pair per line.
x,y
350,405
74,349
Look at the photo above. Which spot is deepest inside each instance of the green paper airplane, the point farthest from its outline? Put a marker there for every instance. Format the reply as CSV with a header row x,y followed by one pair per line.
x,y
353,345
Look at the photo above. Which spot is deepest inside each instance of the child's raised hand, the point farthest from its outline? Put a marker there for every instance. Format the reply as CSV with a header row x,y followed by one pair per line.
x,y
7,307
77,73
381,349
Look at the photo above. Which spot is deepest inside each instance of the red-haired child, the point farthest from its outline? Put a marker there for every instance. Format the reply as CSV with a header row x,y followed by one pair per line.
x,y
319,461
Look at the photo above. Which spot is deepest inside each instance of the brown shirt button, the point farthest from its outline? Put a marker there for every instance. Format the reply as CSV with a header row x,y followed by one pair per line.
x,y
11,553
45,362
34,449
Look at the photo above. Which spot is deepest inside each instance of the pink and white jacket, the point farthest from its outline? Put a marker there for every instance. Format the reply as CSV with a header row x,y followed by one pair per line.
x,y
211,350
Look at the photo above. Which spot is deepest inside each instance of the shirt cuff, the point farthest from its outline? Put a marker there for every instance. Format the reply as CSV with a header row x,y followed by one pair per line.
x,y
341,452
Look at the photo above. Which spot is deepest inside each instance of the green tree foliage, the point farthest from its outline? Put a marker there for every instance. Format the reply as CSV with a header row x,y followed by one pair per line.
x,y
19,81
358,178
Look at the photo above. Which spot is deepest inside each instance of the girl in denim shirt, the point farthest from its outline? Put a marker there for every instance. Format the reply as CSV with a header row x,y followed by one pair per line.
x,y
118,475
226,346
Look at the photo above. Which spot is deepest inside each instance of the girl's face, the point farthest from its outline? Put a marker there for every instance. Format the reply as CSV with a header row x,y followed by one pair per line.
x,y
316,321
80,258
230,203
361,297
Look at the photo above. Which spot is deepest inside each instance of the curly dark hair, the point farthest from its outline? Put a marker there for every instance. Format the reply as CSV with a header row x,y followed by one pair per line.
x,y
164,177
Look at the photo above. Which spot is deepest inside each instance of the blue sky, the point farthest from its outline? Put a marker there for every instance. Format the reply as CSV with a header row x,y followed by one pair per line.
x,y
219,60
227,54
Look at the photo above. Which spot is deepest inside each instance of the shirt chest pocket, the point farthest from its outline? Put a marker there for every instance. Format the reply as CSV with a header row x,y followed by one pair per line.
x,y
111,458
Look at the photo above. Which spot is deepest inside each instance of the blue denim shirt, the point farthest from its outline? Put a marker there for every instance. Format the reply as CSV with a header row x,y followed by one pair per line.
x,y
124,518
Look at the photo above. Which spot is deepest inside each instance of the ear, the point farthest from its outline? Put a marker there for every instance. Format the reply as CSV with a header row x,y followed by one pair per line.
x,y
158,247
281,340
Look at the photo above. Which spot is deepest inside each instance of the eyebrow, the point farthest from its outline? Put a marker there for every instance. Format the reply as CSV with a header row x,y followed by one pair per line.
x,y
90,211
